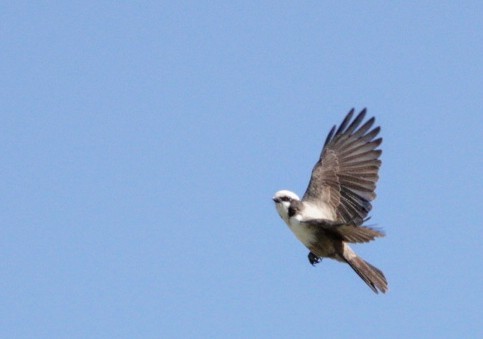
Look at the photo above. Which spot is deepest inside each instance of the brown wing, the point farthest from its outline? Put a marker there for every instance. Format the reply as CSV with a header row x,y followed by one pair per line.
x,y
345,232
346,174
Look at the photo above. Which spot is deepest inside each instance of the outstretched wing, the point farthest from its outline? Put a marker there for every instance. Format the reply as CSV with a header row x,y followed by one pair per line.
x,y
346,232
346,174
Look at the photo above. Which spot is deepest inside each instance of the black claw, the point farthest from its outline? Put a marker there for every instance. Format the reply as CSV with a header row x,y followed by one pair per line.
x,y
313,259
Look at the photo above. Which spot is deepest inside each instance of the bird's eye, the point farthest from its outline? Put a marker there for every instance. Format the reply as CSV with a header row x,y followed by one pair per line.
x,y
286,199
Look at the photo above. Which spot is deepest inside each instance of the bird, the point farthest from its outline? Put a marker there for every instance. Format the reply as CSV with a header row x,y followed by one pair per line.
x,y
337,201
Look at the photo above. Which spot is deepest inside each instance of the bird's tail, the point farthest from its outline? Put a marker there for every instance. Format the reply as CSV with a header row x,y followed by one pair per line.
x,y
371,275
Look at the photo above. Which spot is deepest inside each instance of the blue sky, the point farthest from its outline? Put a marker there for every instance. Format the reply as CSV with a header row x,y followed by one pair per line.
x,y
142,143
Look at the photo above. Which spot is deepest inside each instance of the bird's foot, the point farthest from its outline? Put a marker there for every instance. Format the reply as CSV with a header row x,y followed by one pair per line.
x,y
313,259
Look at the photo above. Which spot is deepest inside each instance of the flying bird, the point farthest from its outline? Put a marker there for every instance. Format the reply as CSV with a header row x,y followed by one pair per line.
x,y
332,212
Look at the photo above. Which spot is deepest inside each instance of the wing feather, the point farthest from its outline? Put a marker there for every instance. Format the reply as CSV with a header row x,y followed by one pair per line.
x,y
346,174
346,232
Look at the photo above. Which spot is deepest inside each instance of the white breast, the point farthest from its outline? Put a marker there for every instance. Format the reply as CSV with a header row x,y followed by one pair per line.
x,y
301,231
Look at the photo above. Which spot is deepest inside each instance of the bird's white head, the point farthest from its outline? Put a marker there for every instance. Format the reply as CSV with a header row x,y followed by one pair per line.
x,y
282,201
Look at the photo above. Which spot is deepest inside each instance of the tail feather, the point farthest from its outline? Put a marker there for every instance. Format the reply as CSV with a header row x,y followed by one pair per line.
x,y
371,275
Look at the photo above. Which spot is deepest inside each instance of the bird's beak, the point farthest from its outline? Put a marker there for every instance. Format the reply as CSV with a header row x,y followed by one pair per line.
x,y
276,200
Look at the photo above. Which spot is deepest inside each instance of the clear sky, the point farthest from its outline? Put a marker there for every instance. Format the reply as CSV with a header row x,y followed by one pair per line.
x,y
142,142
